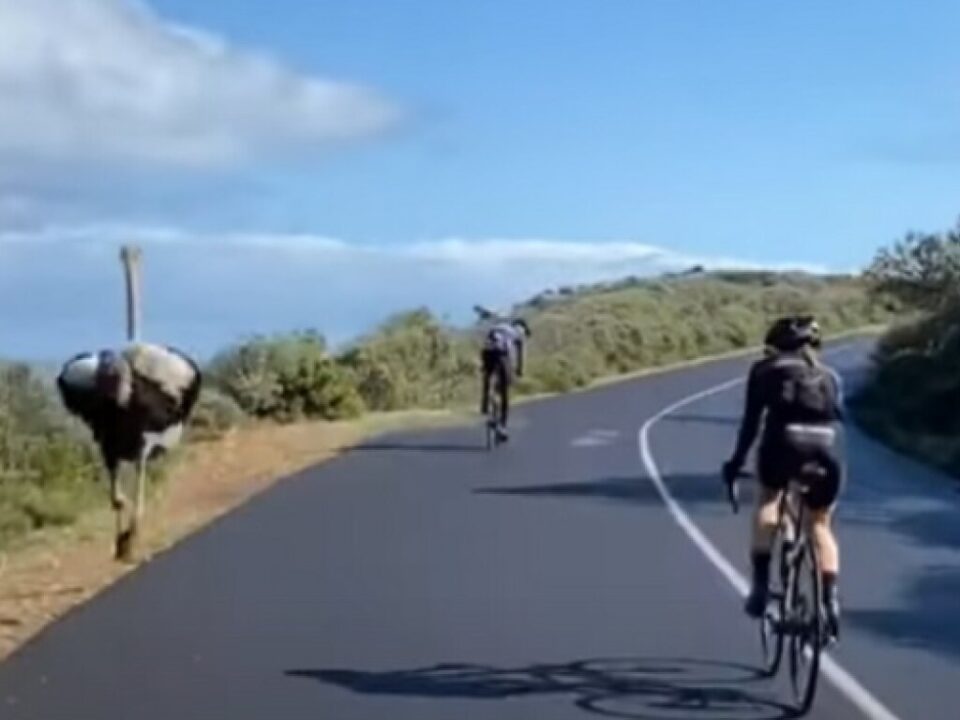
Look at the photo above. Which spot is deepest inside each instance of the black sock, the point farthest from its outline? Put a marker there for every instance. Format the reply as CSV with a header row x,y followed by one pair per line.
x,y
829,580
761,568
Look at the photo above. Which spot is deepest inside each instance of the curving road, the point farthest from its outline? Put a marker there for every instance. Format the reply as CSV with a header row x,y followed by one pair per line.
x,y
420,577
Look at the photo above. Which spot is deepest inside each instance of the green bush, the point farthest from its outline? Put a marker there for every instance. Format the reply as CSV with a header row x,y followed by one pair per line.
x,y
48,466
215,414
286,378
413,361
912,398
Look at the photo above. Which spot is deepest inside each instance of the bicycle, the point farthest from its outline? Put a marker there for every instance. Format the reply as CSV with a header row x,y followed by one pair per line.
x,y
794,615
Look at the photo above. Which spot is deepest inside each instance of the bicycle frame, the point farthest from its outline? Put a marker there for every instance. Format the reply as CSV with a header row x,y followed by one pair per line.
x,y
798,623
792,515
794,533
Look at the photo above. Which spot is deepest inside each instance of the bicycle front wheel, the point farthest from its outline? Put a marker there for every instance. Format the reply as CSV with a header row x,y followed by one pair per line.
x,y
771,630
804,611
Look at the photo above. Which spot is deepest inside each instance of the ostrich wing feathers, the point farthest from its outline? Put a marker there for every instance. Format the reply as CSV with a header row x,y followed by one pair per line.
x,y
78,391
166,384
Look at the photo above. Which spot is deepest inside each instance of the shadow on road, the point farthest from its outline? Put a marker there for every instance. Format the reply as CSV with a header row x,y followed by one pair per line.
x,y
419,447
932,527
638,689
702,491
620,489
926,617
923,614
699,418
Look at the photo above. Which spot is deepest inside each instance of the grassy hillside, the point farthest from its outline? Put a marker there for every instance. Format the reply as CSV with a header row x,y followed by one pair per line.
x,y
638,324
48,466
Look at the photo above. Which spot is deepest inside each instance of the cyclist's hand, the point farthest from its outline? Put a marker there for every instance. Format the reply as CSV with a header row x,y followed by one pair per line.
x,y
730,473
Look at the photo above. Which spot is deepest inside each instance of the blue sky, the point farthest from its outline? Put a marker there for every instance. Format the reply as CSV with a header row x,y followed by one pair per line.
x,y
288,163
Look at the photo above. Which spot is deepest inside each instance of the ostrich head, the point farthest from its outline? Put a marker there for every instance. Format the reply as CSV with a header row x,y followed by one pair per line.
x,y
113,377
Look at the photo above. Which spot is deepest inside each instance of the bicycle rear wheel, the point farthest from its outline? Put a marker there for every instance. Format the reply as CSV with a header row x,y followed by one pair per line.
x,y
805,614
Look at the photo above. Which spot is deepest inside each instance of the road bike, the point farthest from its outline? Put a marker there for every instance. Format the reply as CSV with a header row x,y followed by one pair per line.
x,y
794,619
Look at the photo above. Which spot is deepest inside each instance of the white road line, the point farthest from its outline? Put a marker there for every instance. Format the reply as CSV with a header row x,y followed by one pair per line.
x,y
869,705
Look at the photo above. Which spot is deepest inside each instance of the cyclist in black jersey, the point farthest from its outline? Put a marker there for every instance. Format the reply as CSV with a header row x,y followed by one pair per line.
x,y
502,355
802,405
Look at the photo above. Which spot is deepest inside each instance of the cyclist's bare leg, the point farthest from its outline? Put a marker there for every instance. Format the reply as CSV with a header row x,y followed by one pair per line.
x,y
829,553
485,389
826,542
765,519
503,384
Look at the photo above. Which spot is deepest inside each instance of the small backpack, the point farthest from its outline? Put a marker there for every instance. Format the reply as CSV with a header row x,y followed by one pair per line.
x,y
805,393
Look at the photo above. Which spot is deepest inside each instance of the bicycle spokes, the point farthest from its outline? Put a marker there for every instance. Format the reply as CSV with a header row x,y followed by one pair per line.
x,y
794,619
805,625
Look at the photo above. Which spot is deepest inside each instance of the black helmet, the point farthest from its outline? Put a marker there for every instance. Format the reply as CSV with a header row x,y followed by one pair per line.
x,y
791,333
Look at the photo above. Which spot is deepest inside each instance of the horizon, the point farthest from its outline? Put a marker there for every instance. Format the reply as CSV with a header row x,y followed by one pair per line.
x,y
466,318
286,165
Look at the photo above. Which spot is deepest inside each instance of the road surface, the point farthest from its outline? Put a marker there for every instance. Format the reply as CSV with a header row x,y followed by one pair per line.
x,y
421,577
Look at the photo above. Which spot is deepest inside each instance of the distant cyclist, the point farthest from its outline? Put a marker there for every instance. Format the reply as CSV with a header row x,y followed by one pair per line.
x,y
502,355
802,402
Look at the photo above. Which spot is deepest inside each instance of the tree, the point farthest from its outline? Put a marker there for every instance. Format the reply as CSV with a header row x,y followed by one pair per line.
x,y
922,270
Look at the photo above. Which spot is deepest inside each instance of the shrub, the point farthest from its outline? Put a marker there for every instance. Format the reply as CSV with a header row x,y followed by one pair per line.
x,y
911,398
413,360
48,466
215,414
286,378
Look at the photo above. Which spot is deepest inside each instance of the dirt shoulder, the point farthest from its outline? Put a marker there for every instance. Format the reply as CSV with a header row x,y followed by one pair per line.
x,y
52,571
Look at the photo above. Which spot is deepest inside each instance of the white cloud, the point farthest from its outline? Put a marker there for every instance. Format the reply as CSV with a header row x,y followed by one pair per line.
x,y
109,81
204,290
592,258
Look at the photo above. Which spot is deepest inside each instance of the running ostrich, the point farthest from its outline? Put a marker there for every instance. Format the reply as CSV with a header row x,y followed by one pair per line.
x,y
136,402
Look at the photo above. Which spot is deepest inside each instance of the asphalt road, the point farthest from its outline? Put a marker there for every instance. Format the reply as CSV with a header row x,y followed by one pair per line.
x,y
421,577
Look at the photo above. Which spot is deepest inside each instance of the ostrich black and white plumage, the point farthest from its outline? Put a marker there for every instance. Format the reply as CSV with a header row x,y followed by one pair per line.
x,y
136,403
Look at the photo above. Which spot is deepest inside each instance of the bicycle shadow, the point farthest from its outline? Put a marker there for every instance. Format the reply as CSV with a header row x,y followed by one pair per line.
x,y
413,447
703,492
632,688
702,418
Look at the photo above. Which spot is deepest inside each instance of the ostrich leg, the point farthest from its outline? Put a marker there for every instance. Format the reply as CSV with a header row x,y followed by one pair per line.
x,y
127,547
117,500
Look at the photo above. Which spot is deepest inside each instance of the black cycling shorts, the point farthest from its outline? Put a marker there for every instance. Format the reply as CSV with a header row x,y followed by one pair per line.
x,y
497,361
785,457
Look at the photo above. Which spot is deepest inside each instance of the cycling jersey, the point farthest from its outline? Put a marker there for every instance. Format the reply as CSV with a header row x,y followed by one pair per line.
x,y
502,351
504,337
787,444
766,378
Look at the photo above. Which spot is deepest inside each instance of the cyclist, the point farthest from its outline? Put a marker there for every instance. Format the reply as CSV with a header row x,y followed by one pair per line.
x,y
802,403
503,351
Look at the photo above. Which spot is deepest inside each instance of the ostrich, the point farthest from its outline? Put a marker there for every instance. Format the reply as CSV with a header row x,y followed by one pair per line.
x,y
135,402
